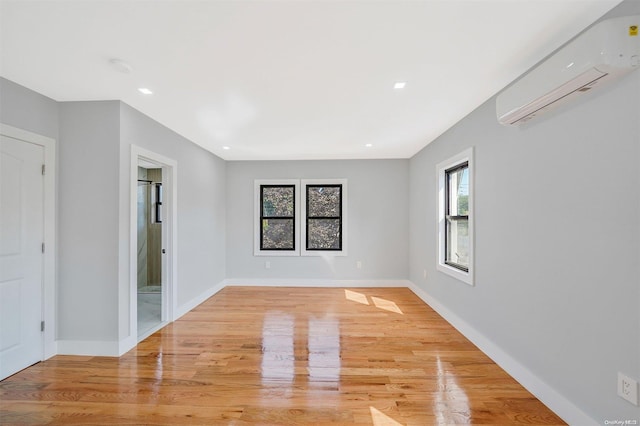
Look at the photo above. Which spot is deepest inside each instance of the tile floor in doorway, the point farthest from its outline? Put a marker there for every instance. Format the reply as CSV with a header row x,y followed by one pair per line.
x,y
150,289
148,311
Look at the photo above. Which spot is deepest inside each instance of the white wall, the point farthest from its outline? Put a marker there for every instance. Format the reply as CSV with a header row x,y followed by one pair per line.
x,y
378,225
557,242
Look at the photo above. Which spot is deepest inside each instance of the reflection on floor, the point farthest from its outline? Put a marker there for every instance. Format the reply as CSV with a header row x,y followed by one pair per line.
x,y
149,309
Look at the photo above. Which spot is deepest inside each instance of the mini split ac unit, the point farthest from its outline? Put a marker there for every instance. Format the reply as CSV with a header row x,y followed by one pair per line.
x,y
605,52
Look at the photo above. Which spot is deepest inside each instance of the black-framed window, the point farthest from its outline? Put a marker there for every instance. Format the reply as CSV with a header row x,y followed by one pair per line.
x,y
323,217
457,241
277,217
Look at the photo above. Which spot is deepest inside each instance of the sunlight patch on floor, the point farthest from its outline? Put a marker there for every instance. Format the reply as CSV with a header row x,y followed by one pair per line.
x,y
356,297
387,305
379,302
381,419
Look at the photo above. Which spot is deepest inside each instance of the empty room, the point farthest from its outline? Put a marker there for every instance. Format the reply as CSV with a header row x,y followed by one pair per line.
x,y
305,212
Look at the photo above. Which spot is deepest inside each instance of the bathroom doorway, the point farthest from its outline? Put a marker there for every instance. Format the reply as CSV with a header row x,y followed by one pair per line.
x,y
153,235
149,232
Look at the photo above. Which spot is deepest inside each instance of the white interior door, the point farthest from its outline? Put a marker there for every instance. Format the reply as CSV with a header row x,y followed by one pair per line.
x,y
21,258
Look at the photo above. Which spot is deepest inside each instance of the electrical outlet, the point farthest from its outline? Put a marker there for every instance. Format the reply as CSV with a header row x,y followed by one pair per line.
x,y
628,388
359,264
424,274
267,265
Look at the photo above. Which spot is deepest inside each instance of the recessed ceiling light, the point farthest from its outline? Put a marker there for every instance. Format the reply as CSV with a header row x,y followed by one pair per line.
x,y
226,148
369,145
145,91
399,84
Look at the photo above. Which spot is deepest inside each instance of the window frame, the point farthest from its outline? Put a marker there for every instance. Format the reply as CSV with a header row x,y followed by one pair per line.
x,y
443,170
258,216
449,217
304,183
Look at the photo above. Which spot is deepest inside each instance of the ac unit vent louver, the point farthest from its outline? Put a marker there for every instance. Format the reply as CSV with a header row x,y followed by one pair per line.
x,y
606,51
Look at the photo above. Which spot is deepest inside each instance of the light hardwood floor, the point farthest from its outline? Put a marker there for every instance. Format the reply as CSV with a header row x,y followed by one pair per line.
x,y
291,356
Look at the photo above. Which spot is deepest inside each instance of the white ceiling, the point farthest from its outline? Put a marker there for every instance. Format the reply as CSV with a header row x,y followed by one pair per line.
x,y
288,79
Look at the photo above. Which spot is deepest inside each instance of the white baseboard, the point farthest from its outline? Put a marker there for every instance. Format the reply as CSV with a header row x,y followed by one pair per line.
x,y
541,390
292,282
127,344
186,307
151,331
50,349
89,347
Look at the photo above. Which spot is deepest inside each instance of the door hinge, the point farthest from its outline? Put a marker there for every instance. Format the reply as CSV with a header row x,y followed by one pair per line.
x,y
43,169
43,247
41,325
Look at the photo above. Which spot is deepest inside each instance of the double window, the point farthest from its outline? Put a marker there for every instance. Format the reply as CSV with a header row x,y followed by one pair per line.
x,y
279,231
455,216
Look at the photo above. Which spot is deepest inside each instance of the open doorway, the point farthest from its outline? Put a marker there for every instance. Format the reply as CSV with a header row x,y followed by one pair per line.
x,y
152,240
149,232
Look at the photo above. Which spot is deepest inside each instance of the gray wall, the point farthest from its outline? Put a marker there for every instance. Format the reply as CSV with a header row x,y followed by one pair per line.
x,y
88,175
93,207
378,225
201,201
28,110
557,241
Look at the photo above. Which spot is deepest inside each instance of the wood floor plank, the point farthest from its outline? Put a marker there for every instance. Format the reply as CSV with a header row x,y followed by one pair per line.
x,y
257,355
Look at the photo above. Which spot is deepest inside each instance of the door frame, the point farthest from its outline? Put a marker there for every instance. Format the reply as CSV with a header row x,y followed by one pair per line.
x,y
169,237
49,305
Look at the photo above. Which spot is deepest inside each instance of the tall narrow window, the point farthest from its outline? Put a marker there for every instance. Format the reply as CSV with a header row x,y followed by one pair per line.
x,y
324,217
277,217
455,217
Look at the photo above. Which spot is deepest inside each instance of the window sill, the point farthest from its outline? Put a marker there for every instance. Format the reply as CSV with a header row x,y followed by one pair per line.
x,y
323,253
465,277
276,253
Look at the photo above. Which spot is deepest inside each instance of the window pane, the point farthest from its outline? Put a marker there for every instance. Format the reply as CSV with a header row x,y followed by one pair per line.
x,y
277,201
458,242
277,234
458,184
323,201
323,234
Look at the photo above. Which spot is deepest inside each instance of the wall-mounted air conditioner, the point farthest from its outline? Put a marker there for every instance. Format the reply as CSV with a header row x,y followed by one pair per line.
x,y
606,51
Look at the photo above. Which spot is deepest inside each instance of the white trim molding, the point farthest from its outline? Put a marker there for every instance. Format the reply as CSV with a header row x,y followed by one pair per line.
x,y
89,348
464,157
560,405
49,304
295,282
193,303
